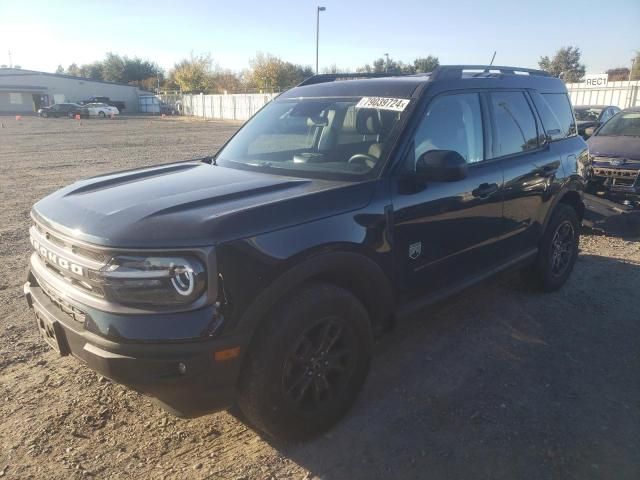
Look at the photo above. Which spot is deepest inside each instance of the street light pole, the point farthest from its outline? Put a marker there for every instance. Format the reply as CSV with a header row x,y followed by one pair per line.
x,y
386,65
319,9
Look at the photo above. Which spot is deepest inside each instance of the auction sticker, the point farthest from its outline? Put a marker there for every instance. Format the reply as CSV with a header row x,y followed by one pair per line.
x,y
383,103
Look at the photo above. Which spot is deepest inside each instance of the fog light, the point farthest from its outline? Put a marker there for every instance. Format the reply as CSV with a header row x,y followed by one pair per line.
x,y
182,368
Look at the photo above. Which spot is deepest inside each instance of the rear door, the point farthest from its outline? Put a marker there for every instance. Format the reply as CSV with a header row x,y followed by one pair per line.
x,y
530,167
447,231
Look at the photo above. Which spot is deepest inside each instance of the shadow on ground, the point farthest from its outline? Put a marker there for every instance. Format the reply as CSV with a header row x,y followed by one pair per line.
x,y
606,217
481,387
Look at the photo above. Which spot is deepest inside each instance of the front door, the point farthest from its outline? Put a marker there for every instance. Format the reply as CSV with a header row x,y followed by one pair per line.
x,y
445,232
530,165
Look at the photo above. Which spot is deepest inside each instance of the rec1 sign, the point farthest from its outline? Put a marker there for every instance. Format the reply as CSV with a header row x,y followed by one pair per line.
x,y
598,80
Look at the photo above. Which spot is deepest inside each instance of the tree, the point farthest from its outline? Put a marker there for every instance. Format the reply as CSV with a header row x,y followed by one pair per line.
x,y
426,64
618,74
269,72
193,75
60,70
635,70
73,70
93,70
226,81
391,66
113,68
565,64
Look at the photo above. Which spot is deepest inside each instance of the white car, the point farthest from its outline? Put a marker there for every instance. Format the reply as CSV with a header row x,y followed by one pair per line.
x,y
101,110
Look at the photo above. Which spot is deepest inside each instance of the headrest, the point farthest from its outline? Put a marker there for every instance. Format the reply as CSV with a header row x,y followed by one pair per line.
x,y
368,121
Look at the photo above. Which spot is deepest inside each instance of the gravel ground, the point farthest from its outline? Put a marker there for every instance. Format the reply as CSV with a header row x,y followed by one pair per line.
x,y
498,382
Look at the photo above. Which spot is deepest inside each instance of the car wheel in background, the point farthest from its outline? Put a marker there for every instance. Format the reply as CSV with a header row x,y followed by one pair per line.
x,y
71,115
307,363
44,114
101,114
558,251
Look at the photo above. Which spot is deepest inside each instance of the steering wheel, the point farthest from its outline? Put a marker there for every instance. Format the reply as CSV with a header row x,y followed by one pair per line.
x,y
364,159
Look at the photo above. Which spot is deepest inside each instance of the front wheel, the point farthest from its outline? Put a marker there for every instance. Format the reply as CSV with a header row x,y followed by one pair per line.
x,y
307,363
101,114
558,251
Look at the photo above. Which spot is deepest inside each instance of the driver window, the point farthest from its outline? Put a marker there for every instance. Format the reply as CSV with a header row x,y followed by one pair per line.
x,y
452,122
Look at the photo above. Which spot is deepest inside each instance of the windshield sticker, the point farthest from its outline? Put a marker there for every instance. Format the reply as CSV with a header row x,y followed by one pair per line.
x,y
382,103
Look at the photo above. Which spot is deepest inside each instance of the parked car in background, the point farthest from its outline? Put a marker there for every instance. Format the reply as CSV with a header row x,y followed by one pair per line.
x,y
614,152
63,110
592,116
114,103
101,110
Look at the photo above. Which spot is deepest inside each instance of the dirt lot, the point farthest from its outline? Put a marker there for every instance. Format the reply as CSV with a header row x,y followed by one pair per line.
x,y
498,382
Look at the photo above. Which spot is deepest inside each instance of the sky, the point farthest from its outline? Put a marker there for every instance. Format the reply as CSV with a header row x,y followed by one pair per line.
x,y
41,34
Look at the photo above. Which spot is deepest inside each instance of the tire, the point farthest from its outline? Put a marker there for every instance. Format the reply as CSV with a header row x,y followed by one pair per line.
x,y
44,114
71,115
101,114
292,386
558,251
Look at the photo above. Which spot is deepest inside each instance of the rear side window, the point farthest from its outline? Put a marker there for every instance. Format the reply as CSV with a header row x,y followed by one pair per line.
x,y
515,124
556,113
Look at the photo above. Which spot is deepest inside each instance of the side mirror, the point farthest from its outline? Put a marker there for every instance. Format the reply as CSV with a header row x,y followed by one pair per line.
x,y
442,166
589,131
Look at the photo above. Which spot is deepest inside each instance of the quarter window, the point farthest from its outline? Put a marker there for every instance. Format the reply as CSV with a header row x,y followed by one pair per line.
x,y
452,122
561,108
514,122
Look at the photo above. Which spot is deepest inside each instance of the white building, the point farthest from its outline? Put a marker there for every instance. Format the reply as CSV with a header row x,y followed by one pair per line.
x,y
23,91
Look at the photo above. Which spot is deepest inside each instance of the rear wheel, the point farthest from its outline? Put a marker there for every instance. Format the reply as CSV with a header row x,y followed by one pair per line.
x,y
307,364
558,251
101,114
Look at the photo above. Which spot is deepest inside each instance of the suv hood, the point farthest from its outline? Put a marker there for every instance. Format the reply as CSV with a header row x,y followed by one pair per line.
x,y
191,204
619,146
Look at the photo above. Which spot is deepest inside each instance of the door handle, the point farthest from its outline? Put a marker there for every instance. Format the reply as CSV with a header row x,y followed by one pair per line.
x,y
485,190
548,170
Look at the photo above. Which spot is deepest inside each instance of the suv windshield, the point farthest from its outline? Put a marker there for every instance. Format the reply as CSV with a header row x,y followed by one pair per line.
x,y
587,114
624,124
316,136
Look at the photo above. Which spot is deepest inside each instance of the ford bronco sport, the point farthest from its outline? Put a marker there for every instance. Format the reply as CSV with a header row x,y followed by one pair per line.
x,y
258,276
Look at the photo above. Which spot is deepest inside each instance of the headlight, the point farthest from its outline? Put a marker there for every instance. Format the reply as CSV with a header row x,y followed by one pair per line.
x,y
153,281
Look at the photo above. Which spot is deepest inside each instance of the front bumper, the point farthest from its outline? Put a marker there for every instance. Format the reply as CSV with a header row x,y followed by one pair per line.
x,y
617,179
182,376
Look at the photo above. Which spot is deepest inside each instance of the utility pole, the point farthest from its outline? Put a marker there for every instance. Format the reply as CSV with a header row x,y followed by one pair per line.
x,y
10,62
386,65
318,10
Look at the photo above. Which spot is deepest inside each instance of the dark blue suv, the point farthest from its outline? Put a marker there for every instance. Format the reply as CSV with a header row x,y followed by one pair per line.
x,y
259,275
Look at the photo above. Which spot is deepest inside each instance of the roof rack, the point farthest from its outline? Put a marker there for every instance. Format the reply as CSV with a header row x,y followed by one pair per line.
x,y
334,77
440,73
456,71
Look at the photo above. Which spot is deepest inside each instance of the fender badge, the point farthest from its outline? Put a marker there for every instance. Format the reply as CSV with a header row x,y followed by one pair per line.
x,y
415,250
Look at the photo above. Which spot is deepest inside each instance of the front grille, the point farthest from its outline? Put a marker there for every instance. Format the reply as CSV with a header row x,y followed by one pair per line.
x,y
71,310
67,260
81,251
615,173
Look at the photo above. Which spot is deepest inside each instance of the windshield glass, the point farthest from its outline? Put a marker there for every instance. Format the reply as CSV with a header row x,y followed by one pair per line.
x,y
587,114
623,124
317,136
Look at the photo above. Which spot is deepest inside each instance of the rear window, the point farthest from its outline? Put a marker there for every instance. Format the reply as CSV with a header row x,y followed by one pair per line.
x,y
556,114
515,123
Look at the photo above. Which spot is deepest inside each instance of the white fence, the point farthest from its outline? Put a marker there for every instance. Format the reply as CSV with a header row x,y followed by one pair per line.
x,y
620,94
242,106
239,106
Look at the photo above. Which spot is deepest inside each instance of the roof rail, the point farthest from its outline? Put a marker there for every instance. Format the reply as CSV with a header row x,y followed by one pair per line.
x,y
440,73
456,71
333,77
